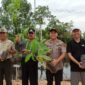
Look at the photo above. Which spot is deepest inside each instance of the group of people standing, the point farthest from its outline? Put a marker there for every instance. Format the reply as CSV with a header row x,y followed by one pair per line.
x,y
75,49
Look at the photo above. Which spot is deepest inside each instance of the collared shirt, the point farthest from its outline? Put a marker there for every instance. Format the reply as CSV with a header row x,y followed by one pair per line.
x,y
77,50
57,48
4,47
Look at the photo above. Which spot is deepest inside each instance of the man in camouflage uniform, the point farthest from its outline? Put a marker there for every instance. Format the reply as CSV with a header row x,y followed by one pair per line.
x,y
57,53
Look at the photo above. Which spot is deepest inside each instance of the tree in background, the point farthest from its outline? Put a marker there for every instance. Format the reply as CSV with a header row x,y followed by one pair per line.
x,y
16,15
83,35
63,28
40,16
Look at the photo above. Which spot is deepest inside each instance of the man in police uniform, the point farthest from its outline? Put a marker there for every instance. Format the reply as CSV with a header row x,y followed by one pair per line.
x,y
58,51
76,50
7,49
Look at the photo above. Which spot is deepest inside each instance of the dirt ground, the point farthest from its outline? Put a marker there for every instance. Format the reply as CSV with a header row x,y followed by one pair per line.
x,y
41,82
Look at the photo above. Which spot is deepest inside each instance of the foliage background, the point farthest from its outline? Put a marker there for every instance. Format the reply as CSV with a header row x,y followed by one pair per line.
x,y
17,16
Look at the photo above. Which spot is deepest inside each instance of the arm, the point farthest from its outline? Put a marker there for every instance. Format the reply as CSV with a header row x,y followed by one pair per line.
x,y
12,49
69,52
73,59
62,56
56,61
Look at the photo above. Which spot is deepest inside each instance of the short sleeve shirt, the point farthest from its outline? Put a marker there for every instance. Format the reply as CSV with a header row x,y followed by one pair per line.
x,y
77,50
58,47
4,46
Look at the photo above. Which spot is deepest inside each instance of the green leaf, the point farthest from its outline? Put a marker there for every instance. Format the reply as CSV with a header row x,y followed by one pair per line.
x,y
43,50
43,58
28,57
33,46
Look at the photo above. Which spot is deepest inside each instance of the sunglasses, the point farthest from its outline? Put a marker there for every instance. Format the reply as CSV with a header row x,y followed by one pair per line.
x,y
31,32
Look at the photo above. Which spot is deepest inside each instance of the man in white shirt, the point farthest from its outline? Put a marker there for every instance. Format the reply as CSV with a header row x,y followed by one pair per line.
x,y
7,49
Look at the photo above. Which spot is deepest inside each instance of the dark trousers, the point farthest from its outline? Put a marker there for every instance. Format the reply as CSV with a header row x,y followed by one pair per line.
x,y
5,72
57,76
30,72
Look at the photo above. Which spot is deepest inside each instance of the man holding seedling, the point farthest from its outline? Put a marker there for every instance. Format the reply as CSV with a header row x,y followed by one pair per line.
x,y
7,50
30,66
57,53
76,53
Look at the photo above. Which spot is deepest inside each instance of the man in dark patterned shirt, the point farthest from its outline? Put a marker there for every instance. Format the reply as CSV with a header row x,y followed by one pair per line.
x,y
58,51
